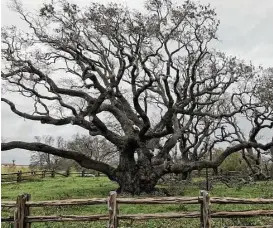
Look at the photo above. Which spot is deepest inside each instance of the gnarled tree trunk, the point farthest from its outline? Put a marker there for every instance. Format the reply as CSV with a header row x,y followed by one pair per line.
x,y
136,175
136,180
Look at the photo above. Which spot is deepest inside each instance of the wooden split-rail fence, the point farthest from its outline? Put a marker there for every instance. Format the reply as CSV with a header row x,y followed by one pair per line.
x,y
23,219
28,176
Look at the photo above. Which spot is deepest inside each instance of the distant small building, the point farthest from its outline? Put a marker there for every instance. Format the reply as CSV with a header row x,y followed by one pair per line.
x,y
7,164
13,165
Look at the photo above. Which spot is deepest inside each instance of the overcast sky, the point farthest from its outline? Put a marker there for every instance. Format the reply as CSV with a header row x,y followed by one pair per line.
x,y
245,31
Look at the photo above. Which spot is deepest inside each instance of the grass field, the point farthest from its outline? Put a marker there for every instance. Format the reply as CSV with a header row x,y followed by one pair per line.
x,y
14,169
77,187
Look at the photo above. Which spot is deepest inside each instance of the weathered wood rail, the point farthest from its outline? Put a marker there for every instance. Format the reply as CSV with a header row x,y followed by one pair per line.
x,y
27,176
269,226
23,218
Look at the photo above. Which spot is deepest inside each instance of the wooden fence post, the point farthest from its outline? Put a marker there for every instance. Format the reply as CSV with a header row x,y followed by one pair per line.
x,y
43,173
67,172
19,176
21,212
27,210
205,218
207,180
53,173
201,209
113,210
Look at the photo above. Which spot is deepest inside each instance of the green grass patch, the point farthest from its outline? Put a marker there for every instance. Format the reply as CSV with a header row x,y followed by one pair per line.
x,y
99,187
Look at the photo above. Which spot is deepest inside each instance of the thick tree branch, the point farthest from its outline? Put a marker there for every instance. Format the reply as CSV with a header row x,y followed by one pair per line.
x,y
189,166
82,159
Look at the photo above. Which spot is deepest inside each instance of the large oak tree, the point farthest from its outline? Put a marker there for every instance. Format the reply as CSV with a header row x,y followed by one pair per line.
x,y
145,81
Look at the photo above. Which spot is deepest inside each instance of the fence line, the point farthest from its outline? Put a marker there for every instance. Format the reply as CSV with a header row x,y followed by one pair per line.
x,y
158,200
22,217
266,226
25,176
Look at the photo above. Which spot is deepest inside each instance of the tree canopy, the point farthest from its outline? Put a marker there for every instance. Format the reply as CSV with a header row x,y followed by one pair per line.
x,y
145,81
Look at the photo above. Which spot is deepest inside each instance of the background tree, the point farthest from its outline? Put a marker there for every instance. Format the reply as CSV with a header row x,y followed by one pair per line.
x,y
234,162
93,147
264,87
269,163
145,81
42,160
96,148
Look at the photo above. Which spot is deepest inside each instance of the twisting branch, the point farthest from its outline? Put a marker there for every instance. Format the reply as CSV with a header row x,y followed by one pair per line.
x,y
82,159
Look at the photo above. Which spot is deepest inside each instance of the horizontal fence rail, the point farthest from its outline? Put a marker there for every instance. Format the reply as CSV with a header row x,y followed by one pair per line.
x,y
66,218
158,200
23,204
232,200
269,226
40,174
